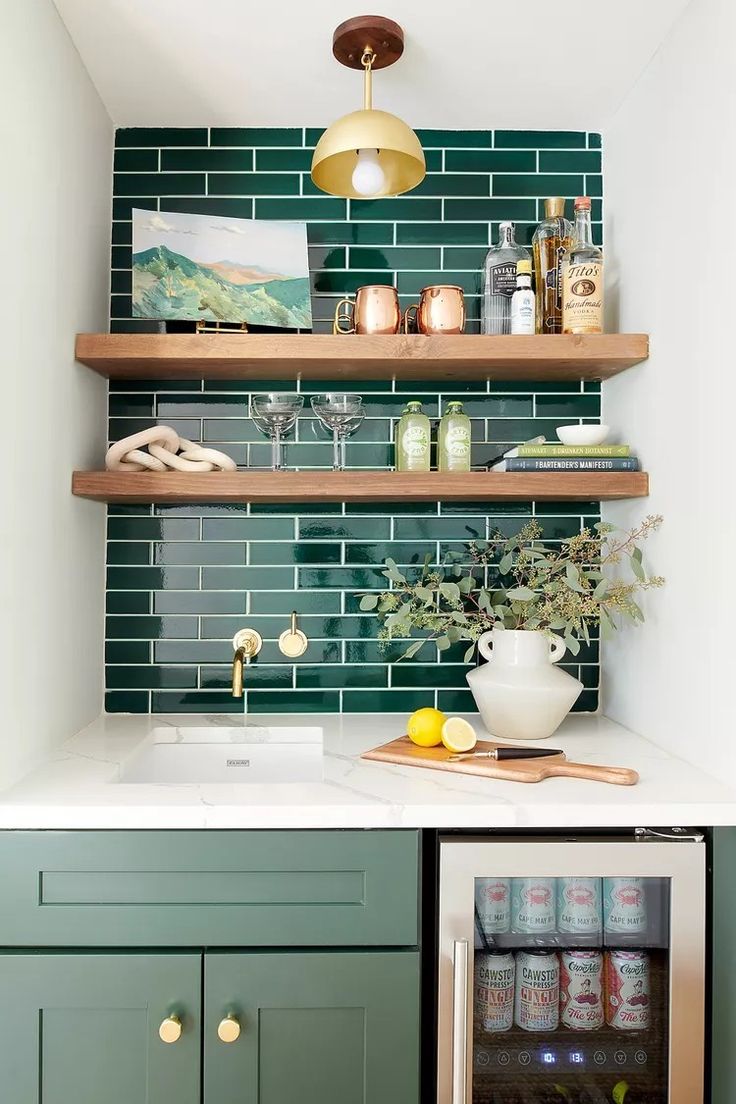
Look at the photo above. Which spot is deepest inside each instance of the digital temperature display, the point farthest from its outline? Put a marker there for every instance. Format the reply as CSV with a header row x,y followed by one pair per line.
x,y
576,1058
549,1057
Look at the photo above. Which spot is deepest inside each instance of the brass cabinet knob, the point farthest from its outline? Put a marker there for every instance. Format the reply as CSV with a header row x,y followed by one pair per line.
x,y
170,1029
228,1030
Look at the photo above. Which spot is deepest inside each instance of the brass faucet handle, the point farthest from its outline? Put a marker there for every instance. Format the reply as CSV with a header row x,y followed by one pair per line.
x,y
249,640
293,642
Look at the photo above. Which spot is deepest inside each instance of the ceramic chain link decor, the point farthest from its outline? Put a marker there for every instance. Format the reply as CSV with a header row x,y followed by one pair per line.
x,y
167,451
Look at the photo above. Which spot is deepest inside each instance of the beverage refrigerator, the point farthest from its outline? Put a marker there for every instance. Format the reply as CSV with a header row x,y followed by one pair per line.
x,y
572,971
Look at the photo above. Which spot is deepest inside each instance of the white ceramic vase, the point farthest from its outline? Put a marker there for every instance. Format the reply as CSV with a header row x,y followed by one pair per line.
x,y
519,692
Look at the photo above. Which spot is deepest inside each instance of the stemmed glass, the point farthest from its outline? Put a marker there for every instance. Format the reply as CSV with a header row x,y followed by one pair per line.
x,y
342,414
275,414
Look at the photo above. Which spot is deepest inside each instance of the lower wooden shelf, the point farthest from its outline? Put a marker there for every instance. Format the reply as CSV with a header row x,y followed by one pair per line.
x,y
355,486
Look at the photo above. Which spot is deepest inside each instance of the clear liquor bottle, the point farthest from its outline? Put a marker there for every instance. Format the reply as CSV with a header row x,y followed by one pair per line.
x,y
551,243
499,280
582,278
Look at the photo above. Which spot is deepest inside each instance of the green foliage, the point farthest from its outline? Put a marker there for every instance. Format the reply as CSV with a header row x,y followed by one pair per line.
x,y
519,583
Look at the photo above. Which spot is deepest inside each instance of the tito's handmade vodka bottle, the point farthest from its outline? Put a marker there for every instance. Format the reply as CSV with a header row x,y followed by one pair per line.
x,y
582,278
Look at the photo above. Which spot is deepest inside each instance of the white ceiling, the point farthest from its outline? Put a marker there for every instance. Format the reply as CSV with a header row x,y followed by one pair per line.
x,y
558,64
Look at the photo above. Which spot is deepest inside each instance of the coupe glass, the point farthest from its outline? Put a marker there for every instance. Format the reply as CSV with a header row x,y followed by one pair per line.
x,y
342,415
275,414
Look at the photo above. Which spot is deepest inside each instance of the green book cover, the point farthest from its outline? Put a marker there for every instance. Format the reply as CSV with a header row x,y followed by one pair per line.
x,y
544,452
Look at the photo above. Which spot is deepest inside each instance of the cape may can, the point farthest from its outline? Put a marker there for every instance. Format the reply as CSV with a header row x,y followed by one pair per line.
x,y
627,990
625,905
533,905
579,905
493,904
581,990
494,991
537,1003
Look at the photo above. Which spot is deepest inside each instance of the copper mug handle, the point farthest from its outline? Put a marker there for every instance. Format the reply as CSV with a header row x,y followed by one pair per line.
x,y
407,320
347,316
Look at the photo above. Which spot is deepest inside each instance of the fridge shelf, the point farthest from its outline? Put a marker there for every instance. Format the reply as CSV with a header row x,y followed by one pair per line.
x,y
564,941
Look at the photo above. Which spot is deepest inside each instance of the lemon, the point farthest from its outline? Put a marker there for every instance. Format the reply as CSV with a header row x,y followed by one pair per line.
x,y
425,727
458,735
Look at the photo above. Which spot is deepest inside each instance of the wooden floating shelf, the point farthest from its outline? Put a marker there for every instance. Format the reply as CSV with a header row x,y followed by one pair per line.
x,y
356,486
321,356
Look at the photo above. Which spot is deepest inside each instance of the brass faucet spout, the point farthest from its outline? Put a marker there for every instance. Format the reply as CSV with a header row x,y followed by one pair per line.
x,y
247,644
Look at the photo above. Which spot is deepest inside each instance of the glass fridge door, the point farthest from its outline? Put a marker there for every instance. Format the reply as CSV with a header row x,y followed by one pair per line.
x,y
571,973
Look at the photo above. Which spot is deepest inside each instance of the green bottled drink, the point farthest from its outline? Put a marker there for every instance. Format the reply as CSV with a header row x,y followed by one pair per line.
x,y
453,444
413,439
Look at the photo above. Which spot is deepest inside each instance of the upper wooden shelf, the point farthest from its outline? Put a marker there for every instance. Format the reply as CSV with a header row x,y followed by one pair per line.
x,y
322,356
356,486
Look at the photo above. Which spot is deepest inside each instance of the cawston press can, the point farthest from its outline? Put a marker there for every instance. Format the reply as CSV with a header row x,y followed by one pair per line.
x,y
627,990
581,990
533,905
624,905
537,1002
494,991
579,905
493,904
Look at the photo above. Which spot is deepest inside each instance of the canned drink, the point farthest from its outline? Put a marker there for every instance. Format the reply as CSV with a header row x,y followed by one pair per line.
x,y
533,905
579,905
493,904
624,905
537,1001
627,990
581,990
494,991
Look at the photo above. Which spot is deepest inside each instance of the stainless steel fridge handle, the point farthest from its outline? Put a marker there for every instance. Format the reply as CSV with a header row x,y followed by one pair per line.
x,y
460,1021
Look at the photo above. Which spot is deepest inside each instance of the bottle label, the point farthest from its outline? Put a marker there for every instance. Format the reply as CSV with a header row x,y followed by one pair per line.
x,y
503,279
582,298
522,313
415,442
457,442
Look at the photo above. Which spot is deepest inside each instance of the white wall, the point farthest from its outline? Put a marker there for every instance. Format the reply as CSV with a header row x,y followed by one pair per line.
x,y
670,177
55,187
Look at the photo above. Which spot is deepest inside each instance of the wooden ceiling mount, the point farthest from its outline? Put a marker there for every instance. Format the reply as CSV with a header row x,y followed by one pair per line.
x,y
384,37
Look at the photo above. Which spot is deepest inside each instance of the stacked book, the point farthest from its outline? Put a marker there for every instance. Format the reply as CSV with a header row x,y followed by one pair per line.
x,y
559,458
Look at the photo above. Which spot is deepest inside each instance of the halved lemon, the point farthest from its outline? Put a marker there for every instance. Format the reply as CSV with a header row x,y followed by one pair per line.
x,y
458,735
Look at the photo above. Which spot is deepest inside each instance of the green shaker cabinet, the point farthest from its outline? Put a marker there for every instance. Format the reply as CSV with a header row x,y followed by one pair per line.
x,y
80,1029
315,1027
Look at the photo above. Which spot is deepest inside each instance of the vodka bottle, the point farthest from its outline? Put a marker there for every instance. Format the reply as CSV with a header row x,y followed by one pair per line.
x,y
499,280
551,244
582,278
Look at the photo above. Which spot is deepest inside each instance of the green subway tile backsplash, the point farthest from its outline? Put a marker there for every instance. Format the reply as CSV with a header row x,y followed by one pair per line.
x,y
183,579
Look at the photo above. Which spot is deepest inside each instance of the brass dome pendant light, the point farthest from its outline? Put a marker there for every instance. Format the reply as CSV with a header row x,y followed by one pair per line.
x,y
368,153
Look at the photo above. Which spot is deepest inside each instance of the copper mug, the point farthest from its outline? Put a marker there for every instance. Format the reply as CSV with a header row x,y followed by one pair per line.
x,y
375,310
440,310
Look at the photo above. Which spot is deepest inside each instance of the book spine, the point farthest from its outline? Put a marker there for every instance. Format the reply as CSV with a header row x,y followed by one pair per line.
x,y
612,464
573,451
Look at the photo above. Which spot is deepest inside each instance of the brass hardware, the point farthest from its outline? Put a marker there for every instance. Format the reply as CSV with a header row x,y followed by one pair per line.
x,y
228,1030
203,327
170,1029
293,642
247,644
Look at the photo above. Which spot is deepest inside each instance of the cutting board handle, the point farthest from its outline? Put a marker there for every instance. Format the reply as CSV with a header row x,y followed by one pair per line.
x,y
616,776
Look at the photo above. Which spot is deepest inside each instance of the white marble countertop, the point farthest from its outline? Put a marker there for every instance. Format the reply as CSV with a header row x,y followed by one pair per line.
x,y
79,787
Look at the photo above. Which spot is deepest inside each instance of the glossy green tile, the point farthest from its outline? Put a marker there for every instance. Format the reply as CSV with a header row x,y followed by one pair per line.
x,y
208,160
257,677
294,553
446,233
247,578
150,628
594,185
255,184
397,210
150,678
377,552
340,577
334,677
283,160
121,256
151,578
293,701
594,141
348,528
152,529
218,205
121,283
327,257
396,259
534,184
127,651
205,552
587,702
128,601
439,528
448,139
255,136
321,207
570,161
303,601
429,676
490,210
568,406
470,257
487,161
454,184
121,306
248,529
122,207
128,552
350,233
161,136
411,283
136,160
199,601
122,233
159,184
194,701
347,283
539,139
193,651
122,701
386,701
516,430
456,701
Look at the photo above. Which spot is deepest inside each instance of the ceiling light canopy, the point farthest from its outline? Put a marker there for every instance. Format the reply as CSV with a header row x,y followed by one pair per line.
x,y
368,153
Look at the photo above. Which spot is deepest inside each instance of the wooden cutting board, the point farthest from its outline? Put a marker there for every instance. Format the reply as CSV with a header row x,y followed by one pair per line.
x,y
407,754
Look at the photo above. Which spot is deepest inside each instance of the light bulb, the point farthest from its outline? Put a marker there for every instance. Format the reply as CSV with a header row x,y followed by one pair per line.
x,y
368,176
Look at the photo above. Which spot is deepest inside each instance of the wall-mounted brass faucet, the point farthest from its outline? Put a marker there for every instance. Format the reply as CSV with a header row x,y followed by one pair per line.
x,y
247,644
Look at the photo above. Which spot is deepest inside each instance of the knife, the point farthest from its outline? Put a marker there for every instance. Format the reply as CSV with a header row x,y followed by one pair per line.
x,y
501,753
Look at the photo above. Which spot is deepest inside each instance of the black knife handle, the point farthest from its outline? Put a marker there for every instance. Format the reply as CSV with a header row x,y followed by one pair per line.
x,y
525,752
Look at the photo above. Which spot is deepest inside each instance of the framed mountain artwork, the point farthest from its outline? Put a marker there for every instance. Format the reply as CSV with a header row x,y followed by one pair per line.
x,y
214,269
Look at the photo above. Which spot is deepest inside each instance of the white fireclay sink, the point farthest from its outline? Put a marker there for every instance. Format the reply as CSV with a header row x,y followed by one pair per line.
x,y
251,753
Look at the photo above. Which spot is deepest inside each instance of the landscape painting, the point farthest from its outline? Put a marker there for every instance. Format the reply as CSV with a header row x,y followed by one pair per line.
x,y
215,269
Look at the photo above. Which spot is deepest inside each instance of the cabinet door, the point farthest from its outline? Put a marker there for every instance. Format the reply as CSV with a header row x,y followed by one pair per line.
x,y
80,1029
340,1027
